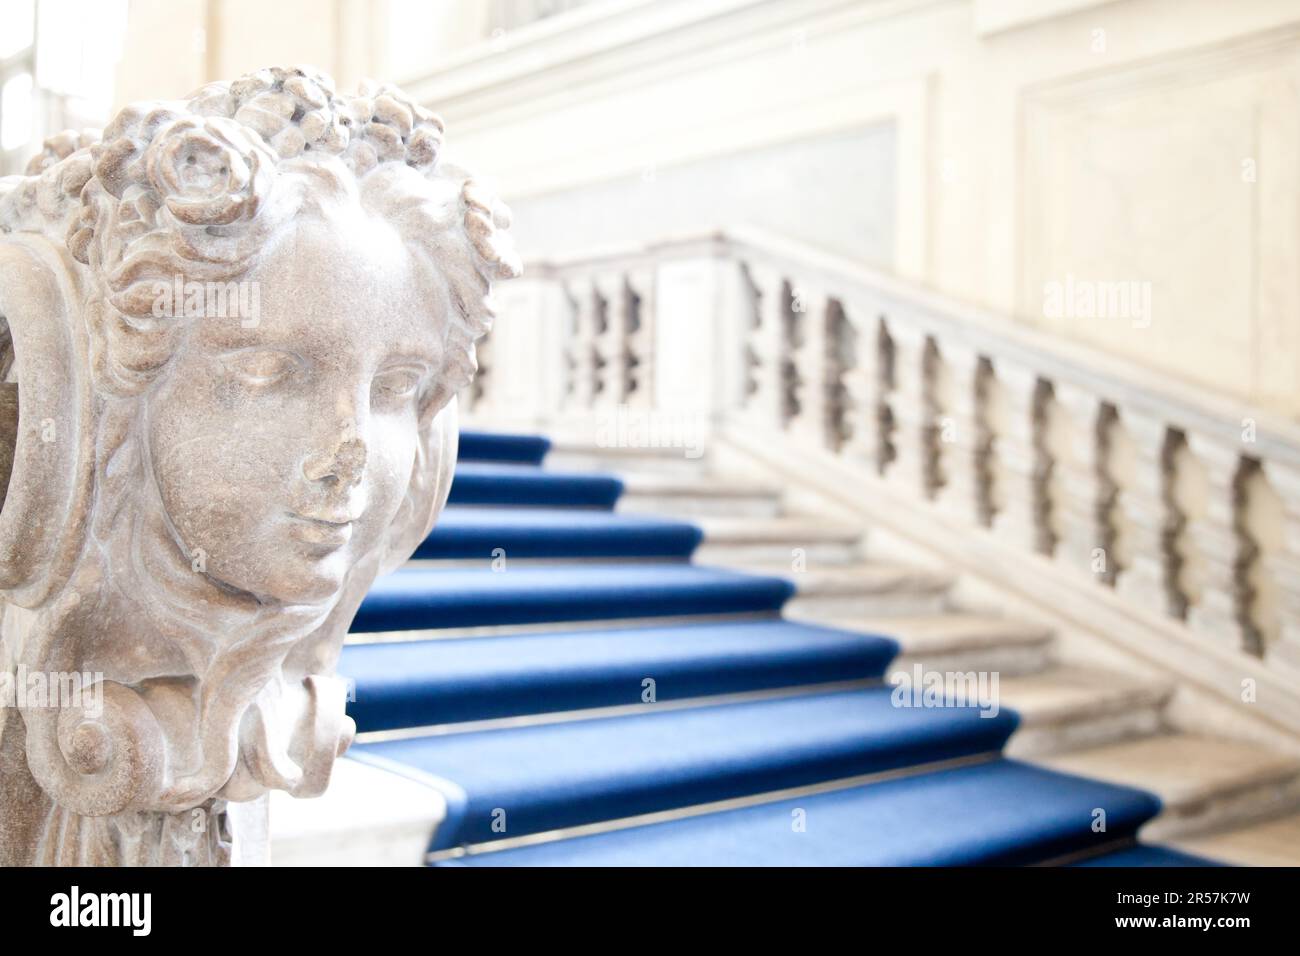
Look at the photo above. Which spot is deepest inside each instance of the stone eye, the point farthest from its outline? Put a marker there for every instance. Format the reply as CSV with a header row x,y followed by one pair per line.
x,y
261,366
397,383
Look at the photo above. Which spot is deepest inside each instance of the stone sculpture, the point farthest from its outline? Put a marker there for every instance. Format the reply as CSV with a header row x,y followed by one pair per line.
x,y
233,331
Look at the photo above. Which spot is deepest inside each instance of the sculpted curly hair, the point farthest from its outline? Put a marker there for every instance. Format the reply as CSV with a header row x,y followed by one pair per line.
x,y
196,188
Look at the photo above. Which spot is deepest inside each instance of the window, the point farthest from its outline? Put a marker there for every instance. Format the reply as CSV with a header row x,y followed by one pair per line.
x,y
57,61
17,79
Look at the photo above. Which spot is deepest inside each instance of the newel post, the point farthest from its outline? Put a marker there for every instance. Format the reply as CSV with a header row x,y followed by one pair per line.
x,y
695,361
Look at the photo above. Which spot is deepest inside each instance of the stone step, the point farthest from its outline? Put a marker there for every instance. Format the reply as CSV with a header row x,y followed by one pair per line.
x,y
862,590
962,641
368,816
1068,708
1205,783
698,496
589,456
1274,842
403,684
777,542
860,597
448,599
469,536
1062,708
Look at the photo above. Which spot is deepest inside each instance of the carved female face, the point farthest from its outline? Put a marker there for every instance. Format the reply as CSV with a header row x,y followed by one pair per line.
x,y
283,451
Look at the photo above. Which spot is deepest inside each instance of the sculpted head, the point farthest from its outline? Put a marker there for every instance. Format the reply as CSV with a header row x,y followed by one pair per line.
x,y
283,438
272,294
282,453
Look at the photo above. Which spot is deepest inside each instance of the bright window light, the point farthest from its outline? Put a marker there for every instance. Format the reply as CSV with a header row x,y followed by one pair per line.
x,y
16,112
79,46
17,23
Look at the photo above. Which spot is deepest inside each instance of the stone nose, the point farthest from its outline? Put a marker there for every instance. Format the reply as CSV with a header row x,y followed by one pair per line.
x,y
343,463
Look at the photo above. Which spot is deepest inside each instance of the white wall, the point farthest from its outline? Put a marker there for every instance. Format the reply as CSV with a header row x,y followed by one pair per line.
x,y
175,46
833,191
1034,142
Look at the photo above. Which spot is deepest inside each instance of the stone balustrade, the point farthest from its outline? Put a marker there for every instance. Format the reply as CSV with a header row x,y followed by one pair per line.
x,y
1183,504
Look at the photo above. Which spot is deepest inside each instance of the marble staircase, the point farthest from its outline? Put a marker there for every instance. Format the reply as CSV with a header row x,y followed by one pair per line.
x,y
1220,797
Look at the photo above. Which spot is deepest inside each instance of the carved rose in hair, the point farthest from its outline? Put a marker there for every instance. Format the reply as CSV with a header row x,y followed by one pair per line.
x,y
209,172
61,146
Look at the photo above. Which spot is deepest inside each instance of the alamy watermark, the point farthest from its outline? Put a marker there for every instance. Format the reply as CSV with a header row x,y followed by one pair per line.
x,y
29,690
922,688
1125,299
180,299
628,427
74,908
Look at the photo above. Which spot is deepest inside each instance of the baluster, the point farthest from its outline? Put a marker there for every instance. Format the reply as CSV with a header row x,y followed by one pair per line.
x,y
1087,539
641,338
812,379
1026,514
865,387
1261,522
1150,517
841,345
963,435
985,441
913,405
1215,533
1284,565
611,339
581,347
768,401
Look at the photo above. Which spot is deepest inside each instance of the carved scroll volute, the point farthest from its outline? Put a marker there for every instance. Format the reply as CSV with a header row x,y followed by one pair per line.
x,y
90,763
45,508
102,763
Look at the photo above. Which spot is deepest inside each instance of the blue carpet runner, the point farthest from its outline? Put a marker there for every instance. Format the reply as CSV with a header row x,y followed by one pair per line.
x,y
412,599
895,786
472,532
422,683
497,447
487,483
999,812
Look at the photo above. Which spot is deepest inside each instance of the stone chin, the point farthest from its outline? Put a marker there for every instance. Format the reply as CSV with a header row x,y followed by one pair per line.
x,y
307,579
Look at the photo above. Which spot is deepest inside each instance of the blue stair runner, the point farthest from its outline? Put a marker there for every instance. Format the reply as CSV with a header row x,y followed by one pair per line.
x,y
412,599
565,774
900,786
422,683
999,812
470,532
499,447
487,483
